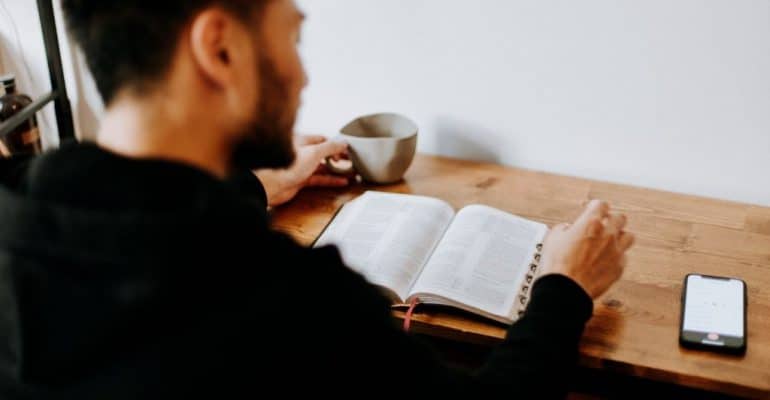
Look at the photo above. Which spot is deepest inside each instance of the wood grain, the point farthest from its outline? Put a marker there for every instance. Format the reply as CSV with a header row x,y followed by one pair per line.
x,y
758,220
634,329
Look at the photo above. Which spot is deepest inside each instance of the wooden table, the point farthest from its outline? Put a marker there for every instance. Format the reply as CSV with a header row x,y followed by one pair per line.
x,y
634,329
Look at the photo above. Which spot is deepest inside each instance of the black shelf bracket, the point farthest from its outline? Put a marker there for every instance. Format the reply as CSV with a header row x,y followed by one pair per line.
x,y
58,87
58,93
26,113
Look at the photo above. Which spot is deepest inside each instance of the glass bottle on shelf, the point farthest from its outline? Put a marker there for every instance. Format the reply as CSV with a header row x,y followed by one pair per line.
x,y
25,138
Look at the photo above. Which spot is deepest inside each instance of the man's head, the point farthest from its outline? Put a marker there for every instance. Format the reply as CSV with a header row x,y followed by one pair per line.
x,y
232,62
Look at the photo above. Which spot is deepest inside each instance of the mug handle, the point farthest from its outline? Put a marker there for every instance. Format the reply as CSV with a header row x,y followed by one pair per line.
x,y
328,162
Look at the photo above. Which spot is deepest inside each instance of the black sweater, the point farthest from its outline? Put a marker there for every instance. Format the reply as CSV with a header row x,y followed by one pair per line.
x,y
124,278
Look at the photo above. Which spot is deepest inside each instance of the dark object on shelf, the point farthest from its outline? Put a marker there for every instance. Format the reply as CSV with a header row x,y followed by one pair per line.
x,y
58,93
25,138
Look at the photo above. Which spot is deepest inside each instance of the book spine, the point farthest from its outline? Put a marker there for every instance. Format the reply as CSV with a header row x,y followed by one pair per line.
x,y
529,280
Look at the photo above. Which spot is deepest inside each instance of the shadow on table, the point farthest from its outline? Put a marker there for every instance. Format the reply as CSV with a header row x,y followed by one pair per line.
x,y
587,383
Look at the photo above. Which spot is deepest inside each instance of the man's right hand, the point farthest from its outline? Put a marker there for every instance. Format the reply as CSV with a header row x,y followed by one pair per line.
x,y
591,251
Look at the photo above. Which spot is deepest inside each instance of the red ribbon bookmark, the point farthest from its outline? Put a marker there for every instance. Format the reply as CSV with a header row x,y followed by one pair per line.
x,y
408,317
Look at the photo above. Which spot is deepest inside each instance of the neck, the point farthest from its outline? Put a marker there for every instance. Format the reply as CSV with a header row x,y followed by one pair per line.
x,y
158,129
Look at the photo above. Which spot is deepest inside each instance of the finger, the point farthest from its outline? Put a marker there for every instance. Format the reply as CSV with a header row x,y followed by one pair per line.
x,y
324,169
330,148
327,181
625,241
619,268
305,140
594,212
623,262
341,156
561,227
594,228
614,224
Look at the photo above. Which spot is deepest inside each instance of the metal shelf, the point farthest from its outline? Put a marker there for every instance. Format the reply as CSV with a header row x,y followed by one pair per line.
x,y
58,93
26,113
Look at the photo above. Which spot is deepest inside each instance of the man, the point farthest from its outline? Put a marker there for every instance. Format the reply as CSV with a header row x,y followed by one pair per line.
x,y
143,266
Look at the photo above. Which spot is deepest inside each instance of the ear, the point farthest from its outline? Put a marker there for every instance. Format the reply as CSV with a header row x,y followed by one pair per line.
x,y
223,52
211,35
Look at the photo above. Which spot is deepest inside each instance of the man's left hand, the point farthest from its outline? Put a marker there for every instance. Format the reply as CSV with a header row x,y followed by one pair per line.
x,y
281,185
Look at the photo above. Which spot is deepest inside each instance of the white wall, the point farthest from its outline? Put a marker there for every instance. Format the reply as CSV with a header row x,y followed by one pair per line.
x,y
669,94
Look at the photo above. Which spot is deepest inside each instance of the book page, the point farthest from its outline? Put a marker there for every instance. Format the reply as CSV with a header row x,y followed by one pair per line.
x,y
388,237
482,259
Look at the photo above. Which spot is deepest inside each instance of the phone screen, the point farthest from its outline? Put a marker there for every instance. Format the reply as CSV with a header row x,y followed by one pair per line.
x,y
714,306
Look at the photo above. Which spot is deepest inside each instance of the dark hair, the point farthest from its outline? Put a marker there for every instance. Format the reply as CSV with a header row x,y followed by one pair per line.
x,y
130,43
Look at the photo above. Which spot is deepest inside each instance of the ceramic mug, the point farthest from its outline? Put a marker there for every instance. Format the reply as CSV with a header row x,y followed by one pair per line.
x,y
381,147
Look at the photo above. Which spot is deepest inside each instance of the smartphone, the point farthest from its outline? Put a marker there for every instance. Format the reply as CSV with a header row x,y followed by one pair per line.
x,y
713,314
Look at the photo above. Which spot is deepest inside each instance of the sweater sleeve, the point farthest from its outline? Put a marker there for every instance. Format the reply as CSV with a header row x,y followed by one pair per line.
x,y
534,361
13,169
542,347
248,185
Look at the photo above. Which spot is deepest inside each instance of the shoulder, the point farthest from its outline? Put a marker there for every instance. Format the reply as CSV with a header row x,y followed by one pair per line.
x,y
318,270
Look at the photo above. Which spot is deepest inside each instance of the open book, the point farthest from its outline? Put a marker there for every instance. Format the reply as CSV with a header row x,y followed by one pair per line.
x,y
479,259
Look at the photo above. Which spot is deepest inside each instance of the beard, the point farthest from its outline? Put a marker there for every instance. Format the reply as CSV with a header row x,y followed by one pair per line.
x,y
267,140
